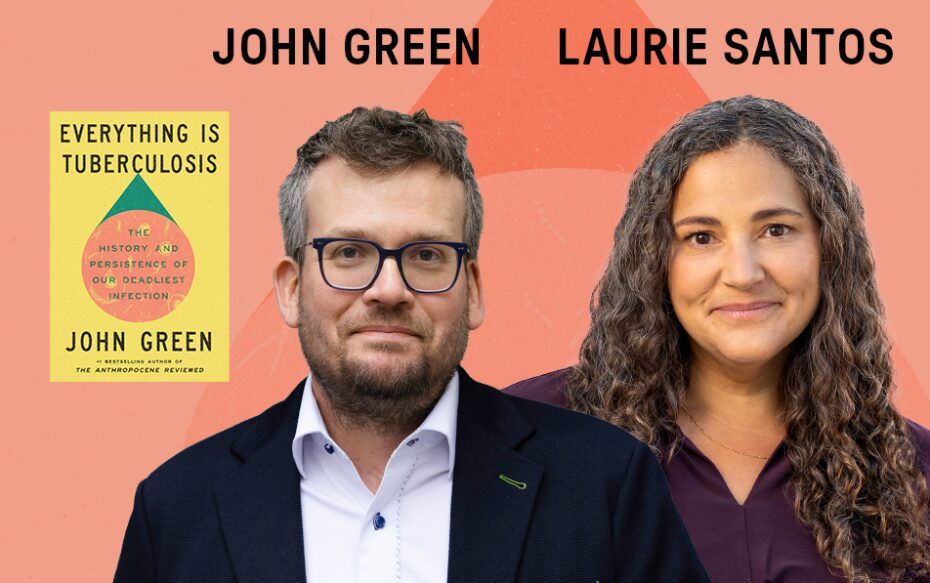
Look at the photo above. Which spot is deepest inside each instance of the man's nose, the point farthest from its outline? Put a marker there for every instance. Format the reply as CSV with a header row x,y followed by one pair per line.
x,y
742,268
389,288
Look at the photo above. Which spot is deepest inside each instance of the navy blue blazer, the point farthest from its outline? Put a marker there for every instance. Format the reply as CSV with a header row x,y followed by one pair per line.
x,y
595,506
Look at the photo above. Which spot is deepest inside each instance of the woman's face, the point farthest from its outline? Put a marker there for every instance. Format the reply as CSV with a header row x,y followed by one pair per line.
x,y
744,270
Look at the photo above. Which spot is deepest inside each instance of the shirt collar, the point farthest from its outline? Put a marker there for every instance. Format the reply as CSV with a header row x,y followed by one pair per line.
x,y
442,419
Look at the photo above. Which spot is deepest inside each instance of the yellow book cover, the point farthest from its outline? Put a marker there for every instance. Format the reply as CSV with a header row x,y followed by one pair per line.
x,y
139,246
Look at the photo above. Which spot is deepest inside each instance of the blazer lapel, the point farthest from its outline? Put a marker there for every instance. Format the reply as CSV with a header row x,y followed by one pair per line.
x,y
259,504
493,488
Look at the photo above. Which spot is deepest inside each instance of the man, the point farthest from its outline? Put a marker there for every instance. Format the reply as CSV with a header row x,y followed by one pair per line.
x,y
389,463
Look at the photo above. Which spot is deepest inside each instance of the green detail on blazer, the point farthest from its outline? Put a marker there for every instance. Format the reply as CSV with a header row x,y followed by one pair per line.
x,y
512,482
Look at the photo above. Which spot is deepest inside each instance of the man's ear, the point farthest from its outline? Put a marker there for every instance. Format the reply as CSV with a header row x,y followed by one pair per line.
x,y
475,294
286,277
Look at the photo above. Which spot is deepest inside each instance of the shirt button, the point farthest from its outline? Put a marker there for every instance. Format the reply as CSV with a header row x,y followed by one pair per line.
x,y
329,448
413,441
378,521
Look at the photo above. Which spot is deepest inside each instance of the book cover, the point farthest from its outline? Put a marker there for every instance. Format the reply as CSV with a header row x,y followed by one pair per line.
x,y
139,246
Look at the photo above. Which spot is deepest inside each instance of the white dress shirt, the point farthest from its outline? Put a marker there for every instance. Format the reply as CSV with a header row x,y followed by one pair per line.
x,y
400,533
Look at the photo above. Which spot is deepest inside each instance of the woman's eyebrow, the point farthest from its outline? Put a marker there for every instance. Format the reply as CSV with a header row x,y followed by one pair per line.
x,y
760,215
775,212
706,221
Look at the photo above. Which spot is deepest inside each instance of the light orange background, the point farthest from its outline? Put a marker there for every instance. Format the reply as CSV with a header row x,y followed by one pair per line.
x,y
553,147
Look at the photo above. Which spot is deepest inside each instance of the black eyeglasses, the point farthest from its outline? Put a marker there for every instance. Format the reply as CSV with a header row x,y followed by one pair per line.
x,y
427,267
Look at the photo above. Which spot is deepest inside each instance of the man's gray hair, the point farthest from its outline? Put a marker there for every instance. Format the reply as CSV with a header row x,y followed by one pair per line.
x,y
377,142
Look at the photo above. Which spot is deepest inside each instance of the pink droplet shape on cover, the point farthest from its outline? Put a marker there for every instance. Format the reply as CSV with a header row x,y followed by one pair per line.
x,y
138,265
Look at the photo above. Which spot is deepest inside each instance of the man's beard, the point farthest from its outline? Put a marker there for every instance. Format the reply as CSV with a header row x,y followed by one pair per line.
x,y
383,399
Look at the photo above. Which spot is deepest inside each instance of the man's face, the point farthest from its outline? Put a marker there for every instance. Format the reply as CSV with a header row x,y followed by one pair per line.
x,y
383,356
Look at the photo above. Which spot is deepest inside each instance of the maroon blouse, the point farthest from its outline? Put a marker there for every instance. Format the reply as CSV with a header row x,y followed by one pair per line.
x,y
759,541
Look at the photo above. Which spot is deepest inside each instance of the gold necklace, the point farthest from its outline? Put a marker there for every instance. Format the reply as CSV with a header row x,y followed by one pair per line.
x,y
715,442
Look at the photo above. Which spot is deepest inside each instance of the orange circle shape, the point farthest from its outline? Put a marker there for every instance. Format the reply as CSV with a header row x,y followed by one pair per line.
x,y
138,266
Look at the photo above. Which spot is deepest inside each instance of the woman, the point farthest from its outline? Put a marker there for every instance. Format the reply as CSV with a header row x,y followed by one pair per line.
x,y
738,331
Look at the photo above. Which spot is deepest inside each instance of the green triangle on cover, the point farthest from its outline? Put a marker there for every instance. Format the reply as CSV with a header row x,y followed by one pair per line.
x,y
138,196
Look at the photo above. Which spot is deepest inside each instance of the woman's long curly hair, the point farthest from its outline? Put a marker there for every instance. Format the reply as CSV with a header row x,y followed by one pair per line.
x,y
855,478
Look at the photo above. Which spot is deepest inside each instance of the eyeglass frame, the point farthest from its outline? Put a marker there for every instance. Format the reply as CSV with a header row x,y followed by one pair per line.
x,y
318,243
